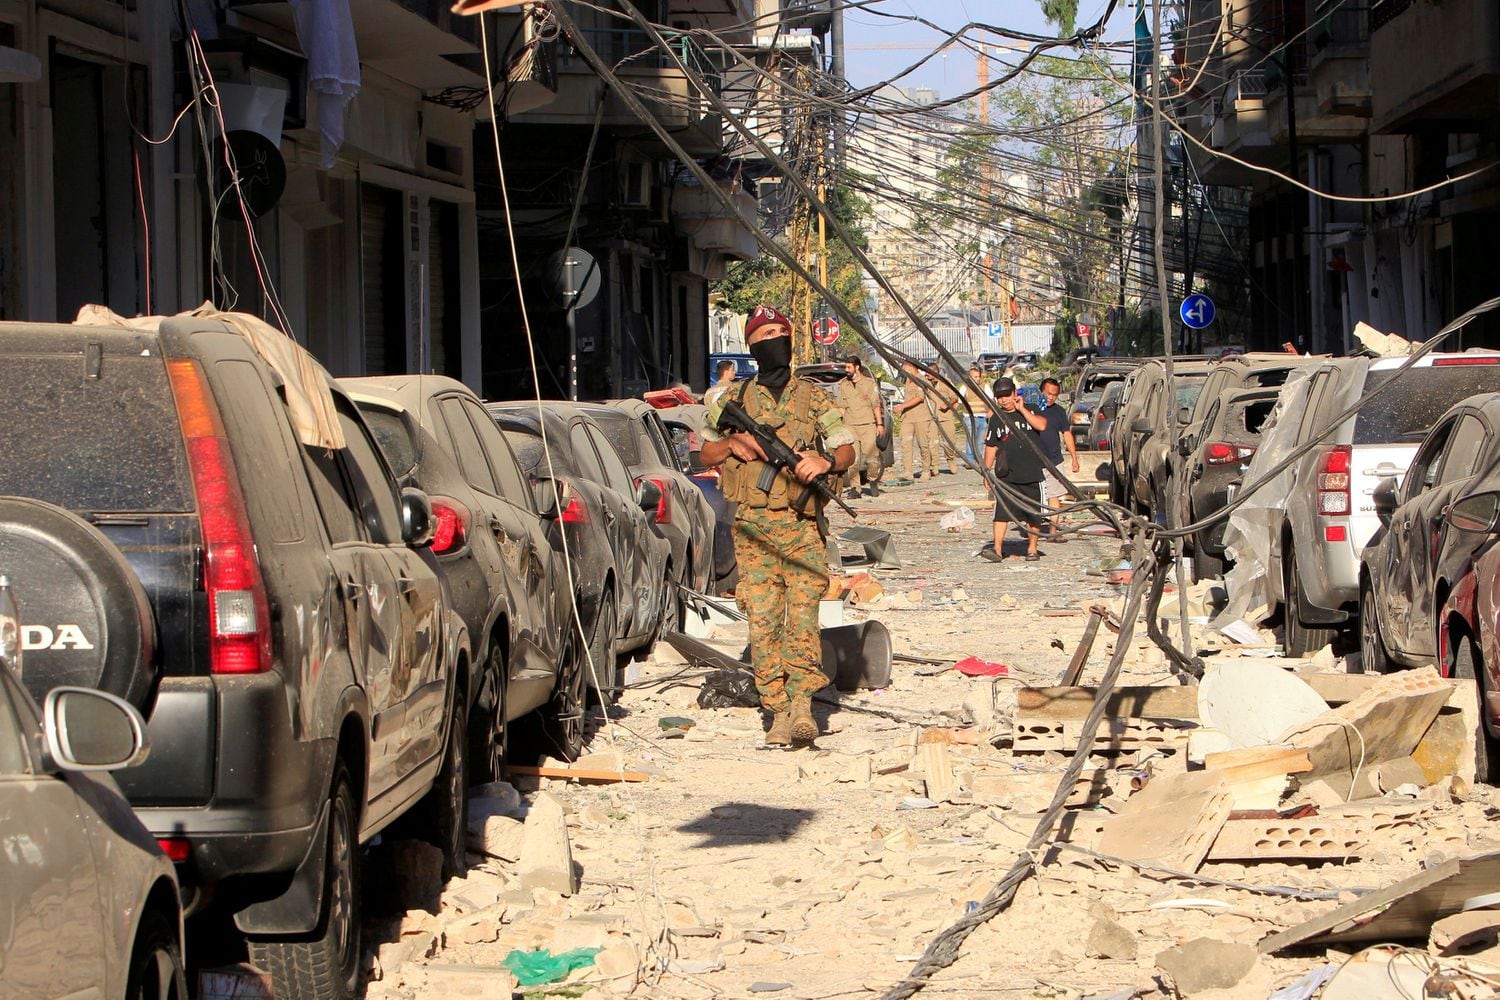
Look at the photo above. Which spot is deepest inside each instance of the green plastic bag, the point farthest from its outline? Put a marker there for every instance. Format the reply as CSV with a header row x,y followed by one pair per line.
x,y
533,968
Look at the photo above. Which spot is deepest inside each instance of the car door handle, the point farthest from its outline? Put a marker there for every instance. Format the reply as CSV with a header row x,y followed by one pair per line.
x,y
352,590
498,527
404,582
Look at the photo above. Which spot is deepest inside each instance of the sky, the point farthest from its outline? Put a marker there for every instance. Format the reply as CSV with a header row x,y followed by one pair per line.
x,y
876,46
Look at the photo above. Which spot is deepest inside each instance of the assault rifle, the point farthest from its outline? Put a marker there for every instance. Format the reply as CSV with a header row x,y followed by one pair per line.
x,y
779,455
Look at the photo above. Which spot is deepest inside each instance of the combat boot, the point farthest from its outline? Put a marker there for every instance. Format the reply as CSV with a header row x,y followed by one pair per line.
x,y
780,733
803,727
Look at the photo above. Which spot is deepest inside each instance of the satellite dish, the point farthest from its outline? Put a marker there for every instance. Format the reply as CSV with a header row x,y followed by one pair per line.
x,y
573,276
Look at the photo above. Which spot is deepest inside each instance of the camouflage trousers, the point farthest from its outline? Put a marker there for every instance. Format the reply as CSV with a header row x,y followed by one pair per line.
x,y
783,574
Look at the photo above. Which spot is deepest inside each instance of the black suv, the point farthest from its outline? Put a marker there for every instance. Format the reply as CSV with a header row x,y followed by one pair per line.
x,y
302,662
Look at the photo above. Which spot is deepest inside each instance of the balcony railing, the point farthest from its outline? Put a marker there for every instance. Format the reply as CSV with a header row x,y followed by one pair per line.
x,y
625,48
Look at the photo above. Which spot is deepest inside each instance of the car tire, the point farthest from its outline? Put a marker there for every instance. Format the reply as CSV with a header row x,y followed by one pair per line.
x,y
1207,565
156,970
563,718
324,965
1373,658
672,609
444,811
1465,661
601,668
487,733
1301,640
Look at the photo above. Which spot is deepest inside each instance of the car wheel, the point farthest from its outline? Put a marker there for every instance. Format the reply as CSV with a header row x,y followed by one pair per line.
x,y
1301,640
672,608
1466,661
326,965
487,730
444,811
1372,655
563,716
600,670
156,971
1207,565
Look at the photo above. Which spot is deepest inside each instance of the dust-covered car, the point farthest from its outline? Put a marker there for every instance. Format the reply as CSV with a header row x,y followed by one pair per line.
x,y
88,901
1410,566
1216,459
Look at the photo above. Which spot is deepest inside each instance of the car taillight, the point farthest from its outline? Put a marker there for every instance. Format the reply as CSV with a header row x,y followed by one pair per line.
x,y
175,848
1220,453
239,627
574,510
664,505
1476,359
450,526
1333,481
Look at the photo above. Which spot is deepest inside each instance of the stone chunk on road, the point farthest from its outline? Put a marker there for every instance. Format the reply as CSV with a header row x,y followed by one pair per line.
x,y
546,856
1206,964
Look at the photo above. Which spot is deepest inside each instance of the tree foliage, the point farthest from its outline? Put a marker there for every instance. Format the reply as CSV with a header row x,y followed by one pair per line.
x,y
765,279
1063,13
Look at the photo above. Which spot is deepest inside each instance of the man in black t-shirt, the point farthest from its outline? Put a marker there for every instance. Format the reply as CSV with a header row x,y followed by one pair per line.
x,y
1055,435
1017,465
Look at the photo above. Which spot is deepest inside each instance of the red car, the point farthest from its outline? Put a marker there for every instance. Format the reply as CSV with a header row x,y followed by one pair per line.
x,y
1469,636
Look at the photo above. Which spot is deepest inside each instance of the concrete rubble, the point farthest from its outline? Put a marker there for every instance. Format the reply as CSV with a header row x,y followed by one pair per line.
x,y
1188,841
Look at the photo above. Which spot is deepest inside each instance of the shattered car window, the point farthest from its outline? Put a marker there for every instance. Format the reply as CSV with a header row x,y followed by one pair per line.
x,y
1408,411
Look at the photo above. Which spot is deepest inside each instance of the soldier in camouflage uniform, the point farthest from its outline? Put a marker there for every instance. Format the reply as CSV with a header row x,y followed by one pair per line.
x,y
783,561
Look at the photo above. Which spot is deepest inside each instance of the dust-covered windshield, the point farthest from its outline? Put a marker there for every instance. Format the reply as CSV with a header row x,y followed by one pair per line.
x,y
108,442
1406,411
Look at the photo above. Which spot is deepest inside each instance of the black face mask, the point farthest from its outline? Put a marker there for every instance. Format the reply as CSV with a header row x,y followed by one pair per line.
x,y
774,360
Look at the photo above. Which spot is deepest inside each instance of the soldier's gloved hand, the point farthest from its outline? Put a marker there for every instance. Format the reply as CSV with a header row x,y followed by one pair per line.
x,y
746,448
812,466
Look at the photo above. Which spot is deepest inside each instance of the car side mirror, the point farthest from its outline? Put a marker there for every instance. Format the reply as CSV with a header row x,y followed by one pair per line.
x,y
1384,497
1140,426
1184,446
88,730
546,493
647,495
417,522
1478,513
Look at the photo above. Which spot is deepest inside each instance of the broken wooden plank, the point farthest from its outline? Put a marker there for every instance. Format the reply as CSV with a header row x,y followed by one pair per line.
x,y
1178,702
1075,666
1252,763
937,771
581,774
1405,911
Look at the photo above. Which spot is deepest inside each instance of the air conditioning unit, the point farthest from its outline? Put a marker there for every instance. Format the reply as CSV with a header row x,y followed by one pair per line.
x,y
636,182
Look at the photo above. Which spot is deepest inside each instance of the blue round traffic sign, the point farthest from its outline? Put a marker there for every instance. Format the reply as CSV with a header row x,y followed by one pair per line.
x,y
1197,311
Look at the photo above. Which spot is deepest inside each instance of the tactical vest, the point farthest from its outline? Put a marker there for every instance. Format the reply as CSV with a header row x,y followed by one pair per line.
x,y
799,429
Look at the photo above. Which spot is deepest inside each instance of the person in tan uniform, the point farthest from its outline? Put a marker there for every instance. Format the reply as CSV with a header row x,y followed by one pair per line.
x,y
916,426
943,404
865,418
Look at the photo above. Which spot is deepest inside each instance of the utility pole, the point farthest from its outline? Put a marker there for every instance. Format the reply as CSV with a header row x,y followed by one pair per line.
x,y
836,70
986,179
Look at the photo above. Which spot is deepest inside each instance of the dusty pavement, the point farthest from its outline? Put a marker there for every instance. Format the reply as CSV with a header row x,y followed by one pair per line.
x,y
739,871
